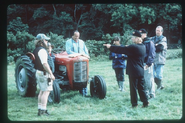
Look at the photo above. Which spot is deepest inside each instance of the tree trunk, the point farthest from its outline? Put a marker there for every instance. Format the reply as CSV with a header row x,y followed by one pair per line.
x,y
75,18
54,9
168,39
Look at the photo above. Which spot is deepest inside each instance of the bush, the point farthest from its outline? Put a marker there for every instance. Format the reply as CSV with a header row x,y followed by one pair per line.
x,y
96,48
23,42
18,44
10,59
57,40
30,46
17,25
125,39
13,54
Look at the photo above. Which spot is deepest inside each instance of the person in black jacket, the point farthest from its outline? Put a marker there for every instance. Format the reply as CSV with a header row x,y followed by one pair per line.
x,y
148,64
135,67
118,64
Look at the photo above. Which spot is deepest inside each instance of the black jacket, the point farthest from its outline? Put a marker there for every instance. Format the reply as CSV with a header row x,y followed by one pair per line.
x,y
150,51
37,62
118,60
135,60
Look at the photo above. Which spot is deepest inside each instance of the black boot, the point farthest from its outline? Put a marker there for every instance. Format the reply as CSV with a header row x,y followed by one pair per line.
x,y
39,112
145,104
159,83
45,112
156,81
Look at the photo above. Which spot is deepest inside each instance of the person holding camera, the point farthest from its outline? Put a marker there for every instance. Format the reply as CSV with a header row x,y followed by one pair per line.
x,y
44,72
118,64
160,42
135,67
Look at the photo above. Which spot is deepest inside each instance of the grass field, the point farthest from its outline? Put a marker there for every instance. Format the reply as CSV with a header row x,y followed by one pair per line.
x,y
167,105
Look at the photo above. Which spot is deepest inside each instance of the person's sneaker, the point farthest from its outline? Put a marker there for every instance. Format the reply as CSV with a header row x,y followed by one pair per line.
x,y
145,105
45,112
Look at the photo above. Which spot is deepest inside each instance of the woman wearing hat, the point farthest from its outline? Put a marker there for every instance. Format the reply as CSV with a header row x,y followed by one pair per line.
x,y
135,70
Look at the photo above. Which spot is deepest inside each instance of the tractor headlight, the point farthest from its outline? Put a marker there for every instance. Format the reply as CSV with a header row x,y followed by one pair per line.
x,y
62,68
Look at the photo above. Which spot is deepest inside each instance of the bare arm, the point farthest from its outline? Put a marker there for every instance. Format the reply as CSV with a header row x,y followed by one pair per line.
x,y
47,68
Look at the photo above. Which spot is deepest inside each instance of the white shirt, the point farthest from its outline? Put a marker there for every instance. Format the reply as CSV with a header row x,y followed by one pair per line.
x,y
43,56
76,47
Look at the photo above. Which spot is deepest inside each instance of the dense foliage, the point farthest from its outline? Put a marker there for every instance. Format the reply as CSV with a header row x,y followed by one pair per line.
x,y
97,23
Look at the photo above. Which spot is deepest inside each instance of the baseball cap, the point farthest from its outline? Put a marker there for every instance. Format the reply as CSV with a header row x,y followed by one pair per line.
x,y
142,31
42,36
136,33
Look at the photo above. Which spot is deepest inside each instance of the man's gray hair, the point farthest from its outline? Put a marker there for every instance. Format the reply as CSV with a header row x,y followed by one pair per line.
x,y
160,28
76,31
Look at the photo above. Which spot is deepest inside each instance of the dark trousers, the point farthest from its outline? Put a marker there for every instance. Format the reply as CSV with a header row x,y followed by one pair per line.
x,y
119,74
137,84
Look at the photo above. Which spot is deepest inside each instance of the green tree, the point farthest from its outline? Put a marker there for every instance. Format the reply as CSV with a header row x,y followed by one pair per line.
x,y
123,16
95,20
16,25
169,16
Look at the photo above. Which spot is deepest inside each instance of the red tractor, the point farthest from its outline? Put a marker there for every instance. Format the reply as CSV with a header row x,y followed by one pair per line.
x,y
70,73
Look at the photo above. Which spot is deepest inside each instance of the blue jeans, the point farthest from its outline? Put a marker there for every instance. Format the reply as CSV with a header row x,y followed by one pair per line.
x,y
119,74
83,91
158,71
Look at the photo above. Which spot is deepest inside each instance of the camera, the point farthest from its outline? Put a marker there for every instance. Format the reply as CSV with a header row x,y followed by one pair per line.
x,y
49,81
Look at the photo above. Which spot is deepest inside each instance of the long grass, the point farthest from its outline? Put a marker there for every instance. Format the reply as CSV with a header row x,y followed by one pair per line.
x,y
167,105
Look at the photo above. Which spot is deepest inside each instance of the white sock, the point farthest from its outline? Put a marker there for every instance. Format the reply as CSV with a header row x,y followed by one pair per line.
x,y
43,107
39,106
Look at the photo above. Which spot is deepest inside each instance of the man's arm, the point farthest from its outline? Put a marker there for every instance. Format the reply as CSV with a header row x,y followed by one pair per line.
x,y
118,49
43,58
85,51
159,48
69,46
151,54
47,68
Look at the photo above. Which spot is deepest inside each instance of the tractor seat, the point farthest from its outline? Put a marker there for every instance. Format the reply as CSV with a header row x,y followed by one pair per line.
x,y
31,55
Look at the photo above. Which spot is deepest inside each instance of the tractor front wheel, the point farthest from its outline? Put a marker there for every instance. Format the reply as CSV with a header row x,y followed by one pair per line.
x,y
98,87
54,96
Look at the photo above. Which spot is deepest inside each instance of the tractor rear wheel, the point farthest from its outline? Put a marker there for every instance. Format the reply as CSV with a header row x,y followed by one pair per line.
x,y
54,96
25,76
98,87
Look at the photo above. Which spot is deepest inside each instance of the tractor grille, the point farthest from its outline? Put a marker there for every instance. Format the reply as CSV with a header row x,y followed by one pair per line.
x,y
80,71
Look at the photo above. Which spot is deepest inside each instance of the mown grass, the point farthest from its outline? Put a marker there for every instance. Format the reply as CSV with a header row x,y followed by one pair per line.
x,y
116,106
